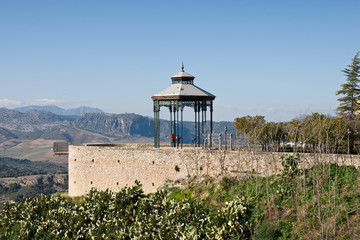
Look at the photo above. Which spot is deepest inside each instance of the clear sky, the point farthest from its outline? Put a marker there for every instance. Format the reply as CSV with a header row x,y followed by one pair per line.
x,y
274,58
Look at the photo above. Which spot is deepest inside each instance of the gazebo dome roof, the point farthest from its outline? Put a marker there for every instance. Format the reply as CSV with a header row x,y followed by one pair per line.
x,y
187,92
182,75
182,88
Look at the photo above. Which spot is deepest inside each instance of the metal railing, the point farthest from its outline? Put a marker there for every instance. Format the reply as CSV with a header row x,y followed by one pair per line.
x,y
223,141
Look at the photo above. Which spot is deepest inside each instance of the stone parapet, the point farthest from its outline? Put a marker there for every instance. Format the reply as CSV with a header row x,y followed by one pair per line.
x,y
113,166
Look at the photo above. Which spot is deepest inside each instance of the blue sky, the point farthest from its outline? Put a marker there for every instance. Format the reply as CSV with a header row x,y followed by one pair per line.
x,y
279,59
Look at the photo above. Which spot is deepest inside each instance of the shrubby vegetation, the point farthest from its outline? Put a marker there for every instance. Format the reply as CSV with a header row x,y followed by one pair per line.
x,y
314,133
318,203
13,187
322,202
45,184
128,214
11,167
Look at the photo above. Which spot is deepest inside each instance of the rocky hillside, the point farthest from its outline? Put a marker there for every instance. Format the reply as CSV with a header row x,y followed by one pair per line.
x,y
31,134
36,124
17,188
90,127
6,134
29,121
126,125
117,125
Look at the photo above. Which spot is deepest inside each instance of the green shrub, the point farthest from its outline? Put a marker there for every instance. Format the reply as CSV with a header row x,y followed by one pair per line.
x,y
128,214
13,187
290,165
266,231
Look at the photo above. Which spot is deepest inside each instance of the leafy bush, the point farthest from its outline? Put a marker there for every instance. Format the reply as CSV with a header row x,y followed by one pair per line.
x,y
290,165
324,202
128,214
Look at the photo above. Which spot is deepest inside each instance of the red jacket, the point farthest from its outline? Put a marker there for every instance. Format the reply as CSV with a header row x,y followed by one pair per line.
x,y
173,136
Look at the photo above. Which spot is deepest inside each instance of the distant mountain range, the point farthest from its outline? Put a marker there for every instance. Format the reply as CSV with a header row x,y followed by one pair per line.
x,y
28,121
90,127
60,111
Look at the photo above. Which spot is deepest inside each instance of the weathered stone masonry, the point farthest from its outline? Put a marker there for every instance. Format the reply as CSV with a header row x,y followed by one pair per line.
x,y
115,166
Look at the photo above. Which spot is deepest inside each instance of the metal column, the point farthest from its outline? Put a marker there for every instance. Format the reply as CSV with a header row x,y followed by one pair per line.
x,y
182,109
205,127
171,131
174,120
211,122
177,124
195,135
156,124
155,132
158,117
199,136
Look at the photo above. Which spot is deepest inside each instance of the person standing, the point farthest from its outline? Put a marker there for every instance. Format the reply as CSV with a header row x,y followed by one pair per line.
x,y
173,140
178,140
193,141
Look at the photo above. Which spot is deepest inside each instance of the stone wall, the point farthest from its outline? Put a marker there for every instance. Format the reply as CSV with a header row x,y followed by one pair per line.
x,y
114,166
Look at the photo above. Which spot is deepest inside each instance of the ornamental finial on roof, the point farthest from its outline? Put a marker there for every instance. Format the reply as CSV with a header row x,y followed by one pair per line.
x,y
182,66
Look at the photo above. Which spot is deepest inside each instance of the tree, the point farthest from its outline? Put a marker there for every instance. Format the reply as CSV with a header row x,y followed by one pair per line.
x,y
257,131
253,127
275,134
351,91
323,133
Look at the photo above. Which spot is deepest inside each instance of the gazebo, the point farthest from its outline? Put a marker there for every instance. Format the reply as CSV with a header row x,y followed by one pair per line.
x,y
183,93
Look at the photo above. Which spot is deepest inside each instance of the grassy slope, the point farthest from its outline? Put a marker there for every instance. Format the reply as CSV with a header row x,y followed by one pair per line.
x,y
320,203
39,149
35,150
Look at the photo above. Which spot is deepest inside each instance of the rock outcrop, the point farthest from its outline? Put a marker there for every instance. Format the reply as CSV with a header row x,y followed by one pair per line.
x,y
116,124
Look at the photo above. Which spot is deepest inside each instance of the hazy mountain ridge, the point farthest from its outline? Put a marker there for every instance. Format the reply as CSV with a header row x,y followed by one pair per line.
x,y
29,121
6,134
117,125
90,127
60,111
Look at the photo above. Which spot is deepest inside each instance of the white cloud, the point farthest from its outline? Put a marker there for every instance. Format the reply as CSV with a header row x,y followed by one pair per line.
x,y
13,103
5,102
46,101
